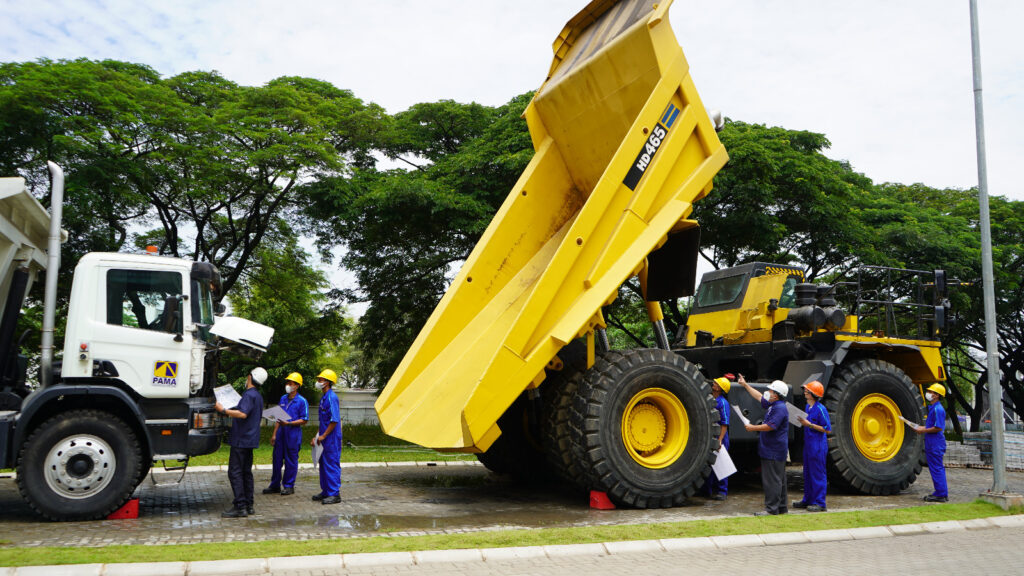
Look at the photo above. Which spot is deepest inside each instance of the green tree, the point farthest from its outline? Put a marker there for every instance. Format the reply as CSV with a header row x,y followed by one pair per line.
x,y
406,232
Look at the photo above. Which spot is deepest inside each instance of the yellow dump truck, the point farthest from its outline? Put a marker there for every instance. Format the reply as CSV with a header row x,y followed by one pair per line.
x,y
624,147
514,363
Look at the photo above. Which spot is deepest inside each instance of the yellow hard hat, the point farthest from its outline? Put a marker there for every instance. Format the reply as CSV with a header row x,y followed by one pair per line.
x,y
329,374
295,377
724,384
938,389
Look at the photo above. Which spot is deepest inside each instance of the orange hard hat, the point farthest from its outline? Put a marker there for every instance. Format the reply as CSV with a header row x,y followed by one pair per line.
x,y
815,388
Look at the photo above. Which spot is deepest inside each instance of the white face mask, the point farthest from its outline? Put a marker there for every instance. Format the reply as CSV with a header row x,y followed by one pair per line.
x,y
289,389
929,396
767,396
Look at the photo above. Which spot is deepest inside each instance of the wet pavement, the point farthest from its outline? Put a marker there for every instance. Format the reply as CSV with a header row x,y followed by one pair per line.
x,y
403,501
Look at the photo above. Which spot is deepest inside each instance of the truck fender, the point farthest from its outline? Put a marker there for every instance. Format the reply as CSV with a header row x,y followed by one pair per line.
x,y
42,398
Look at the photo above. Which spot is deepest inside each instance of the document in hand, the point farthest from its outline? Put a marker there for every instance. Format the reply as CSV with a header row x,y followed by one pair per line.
x,y
742,418
909,423
318,451
723,466
276,413
227,396
795,414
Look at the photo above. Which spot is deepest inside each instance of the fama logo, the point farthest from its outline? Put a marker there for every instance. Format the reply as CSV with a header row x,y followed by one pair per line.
x,y
165,373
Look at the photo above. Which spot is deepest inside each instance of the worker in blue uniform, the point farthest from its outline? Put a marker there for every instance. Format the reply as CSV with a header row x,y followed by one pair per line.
x,y
772,444
817,426
243,439
717,488
935,442
287,437
329,437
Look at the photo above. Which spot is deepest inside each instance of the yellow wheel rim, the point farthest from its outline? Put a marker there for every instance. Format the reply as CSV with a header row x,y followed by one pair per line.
x,y
877,428
655,428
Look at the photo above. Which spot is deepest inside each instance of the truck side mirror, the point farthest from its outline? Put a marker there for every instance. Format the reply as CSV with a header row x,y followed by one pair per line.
x,y
220,309
171,304
940,286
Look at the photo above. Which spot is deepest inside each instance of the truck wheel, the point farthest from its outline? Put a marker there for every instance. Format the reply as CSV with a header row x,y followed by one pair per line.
x,y
79,465
870,450
518,450
558,391
645,427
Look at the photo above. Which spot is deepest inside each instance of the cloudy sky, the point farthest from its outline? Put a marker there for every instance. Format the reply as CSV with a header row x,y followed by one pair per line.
x,y
889,82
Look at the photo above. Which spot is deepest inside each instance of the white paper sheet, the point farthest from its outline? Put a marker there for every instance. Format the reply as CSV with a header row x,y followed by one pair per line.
x,y
276,413
739,413
909,423
795,414
227,396
318,451
723,466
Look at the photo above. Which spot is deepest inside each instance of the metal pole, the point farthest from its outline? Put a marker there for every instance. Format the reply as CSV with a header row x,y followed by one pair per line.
x,y
52,268
995,389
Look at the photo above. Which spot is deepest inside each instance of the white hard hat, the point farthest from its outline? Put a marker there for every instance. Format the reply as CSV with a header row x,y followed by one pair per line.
x,y
259,376
780,388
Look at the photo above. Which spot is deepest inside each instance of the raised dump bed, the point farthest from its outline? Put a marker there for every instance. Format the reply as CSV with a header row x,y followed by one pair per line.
x,y
624,147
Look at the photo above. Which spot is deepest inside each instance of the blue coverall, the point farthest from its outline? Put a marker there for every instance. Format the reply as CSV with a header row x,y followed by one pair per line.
x,y
330,460
288,443
815,453
935,448
713,485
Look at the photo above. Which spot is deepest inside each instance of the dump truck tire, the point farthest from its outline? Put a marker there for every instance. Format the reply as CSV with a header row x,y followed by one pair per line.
x,y
558,391
518,450
645,428
871,450
79,465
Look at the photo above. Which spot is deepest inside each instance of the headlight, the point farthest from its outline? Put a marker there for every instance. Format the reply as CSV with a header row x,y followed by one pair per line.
x,y
205,420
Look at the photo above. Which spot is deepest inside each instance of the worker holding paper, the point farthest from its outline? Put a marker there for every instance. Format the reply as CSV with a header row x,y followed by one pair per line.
x,y
935,442
287,437
817,426
772,444
717,488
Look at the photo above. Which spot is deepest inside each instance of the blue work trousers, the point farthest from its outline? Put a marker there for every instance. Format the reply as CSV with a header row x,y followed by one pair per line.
x,y
815,477
286,453
937,470
330,466
240,476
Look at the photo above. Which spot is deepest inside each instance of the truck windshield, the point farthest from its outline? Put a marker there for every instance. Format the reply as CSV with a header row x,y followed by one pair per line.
x,y
721,291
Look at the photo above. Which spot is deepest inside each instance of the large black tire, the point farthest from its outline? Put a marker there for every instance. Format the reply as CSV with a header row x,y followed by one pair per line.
x,y
558,391
518,450
631,386
883,463
79,465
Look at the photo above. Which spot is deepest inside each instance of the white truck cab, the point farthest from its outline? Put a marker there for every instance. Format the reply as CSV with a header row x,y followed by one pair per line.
x,y
135,384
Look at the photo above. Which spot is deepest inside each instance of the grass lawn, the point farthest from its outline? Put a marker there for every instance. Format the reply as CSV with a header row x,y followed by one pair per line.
x,y
362,443
12,556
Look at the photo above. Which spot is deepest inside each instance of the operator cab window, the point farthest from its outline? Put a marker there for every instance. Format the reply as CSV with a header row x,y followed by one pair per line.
x,y
721,291
137,298
788,298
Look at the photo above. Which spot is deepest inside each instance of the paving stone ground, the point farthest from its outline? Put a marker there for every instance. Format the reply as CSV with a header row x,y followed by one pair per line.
x,y
400,501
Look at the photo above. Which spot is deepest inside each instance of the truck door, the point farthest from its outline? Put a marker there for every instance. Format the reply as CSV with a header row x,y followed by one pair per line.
x,y
143,334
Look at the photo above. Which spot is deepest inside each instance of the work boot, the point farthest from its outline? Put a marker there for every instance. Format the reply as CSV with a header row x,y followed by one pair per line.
x,y
934,498
234,513
801,505
331,500
718,497
815,508
287,491
250,510
318,497
271,490
766,513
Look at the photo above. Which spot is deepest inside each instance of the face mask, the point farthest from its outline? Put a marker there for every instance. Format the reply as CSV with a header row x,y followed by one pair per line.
x,y
767,396
929,396
289,389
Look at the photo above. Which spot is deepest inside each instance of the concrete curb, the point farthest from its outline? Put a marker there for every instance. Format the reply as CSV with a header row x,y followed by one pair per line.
x,y
338,561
